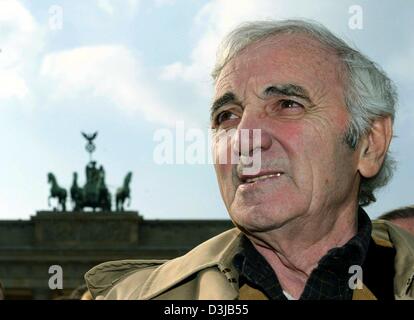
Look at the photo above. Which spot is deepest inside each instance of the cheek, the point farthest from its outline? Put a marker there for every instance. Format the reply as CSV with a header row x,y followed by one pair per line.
x,y
225,182
331,165
222,147
291,136
309,153
221,173
221,150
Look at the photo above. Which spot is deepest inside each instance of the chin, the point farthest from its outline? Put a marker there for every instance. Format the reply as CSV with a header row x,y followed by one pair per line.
x,y
257,218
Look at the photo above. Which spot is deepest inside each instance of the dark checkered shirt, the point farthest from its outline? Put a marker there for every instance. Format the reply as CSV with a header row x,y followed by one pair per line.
x,y
329,280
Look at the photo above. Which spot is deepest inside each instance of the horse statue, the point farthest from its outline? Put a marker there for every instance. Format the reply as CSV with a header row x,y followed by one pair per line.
x,y
56,192
104,194
76,193
94,194
123,193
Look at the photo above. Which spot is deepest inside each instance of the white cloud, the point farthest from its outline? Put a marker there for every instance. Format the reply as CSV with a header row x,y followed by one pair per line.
x,y
161,3
111,7
111,72
218,17
21,41
105,6
174,71
12,85
133,5
5,208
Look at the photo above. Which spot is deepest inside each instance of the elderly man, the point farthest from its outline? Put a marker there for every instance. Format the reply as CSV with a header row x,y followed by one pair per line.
x,y
324,114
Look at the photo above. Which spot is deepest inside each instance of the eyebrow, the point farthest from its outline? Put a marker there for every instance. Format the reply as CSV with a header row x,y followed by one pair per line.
x,y
289,89
227,98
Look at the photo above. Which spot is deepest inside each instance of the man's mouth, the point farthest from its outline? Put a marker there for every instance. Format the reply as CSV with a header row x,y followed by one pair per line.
x,y
263,177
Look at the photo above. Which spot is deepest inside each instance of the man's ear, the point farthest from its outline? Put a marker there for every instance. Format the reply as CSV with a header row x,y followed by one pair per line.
x,y
374,146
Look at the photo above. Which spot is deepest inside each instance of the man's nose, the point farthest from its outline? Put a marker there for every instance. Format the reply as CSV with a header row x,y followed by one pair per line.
x,y
251,135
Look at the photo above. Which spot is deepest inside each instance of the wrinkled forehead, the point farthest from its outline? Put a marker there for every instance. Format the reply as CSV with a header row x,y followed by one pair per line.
x,y
294,57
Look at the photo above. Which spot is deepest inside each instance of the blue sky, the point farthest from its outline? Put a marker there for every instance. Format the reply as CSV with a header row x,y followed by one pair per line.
x,y
129,68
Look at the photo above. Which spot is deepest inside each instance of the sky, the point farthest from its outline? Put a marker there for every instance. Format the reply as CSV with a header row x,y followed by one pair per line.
x,y
130,69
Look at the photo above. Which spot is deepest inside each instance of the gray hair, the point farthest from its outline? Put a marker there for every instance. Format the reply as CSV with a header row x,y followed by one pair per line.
x,y
401,213
369,93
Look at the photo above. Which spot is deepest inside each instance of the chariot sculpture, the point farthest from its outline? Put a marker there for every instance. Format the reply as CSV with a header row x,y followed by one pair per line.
x,y
94,194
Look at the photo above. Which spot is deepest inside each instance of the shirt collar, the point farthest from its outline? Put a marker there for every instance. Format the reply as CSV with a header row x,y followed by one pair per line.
x,y
333,268
354,251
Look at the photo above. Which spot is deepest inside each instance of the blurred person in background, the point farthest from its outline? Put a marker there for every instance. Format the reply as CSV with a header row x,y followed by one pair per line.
x,y
402,217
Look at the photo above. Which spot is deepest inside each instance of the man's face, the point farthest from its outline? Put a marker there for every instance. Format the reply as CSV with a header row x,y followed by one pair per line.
x,y
289,87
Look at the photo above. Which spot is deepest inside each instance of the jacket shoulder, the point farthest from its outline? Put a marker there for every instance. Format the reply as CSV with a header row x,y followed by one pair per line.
x,y
103,277
387,234
147,279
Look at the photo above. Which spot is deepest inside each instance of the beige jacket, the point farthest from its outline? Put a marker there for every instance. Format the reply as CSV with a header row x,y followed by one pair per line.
x,y
206,272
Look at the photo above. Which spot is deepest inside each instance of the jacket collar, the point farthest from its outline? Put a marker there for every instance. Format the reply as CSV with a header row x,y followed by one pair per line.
x,y
388,234
212,255
209,254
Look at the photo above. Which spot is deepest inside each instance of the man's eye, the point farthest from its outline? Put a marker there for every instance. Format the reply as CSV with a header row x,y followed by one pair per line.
x,y
225,116
289,104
